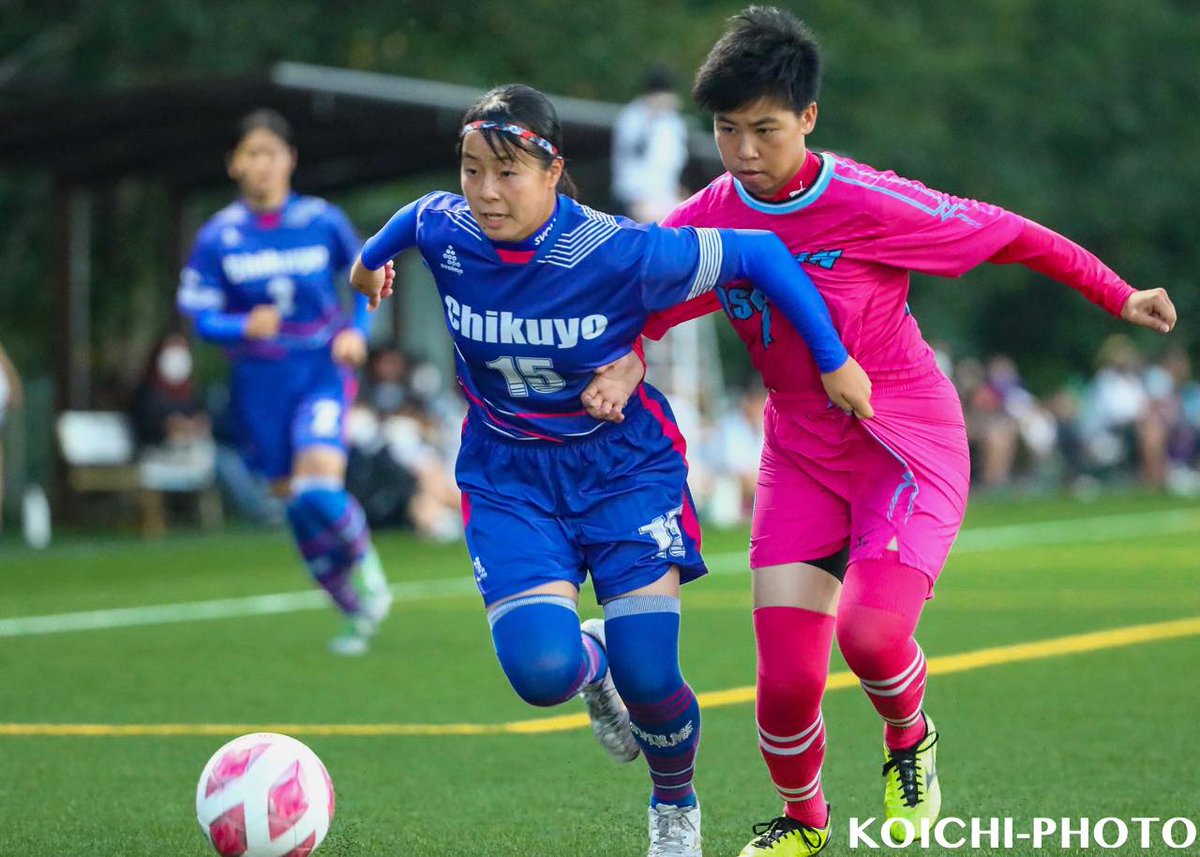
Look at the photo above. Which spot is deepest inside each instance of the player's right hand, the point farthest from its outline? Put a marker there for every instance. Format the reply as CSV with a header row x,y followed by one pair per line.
x,y
263,322
613,384
849,388
376,285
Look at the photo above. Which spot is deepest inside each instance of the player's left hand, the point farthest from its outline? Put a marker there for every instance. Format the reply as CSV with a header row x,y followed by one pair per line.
x,y
349,348
610,389
849,388
1150,308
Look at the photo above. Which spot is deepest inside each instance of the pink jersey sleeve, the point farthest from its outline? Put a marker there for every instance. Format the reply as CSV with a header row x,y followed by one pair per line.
x,y
1059,258
926,230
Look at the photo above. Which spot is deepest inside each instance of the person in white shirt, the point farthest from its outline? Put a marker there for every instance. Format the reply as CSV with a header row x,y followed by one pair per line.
x,y
650,150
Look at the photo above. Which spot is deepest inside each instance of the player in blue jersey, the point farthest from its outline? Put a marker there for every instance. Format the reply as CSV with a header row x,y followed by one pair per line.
x,y
538,292
262,283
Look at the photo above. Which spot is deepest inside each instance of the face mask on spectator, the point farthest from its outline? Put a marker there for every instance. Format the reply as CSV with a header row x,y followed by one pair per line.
x,y
175,364
389,397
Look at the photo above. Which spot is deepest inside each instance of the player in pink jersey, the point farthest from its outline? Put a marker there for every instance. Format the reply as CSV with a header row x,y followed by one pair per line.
x,y
853,518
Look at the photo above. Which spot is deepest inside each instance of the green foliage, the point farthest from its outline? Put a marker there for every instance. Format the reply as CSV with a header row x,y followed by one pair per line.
x,y
1077,113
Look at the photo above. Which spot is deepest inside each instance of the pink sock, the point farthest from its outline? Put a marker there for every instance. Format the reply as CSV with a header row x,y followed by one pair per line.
x,y
878,613
793,667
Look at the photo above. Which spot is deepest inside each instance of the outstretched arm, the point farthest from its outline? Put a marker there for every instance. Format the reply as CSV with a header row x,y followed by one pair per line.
x,y
682,264
1055,256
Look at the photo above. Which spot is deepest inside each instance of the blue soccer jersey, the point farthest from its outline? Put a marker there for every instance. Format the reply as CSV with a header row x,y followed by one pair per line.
x,y
548,491
290,259
287,393
529,335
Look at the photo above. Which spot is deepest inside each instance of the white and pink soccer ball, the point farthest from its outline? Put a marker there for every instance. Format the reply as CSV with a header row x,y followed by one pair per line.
x,y
264,795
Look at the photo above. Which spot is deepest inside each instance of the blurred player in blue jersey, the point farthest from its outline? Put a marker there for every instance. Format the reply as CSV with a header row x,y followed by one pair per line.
x,y
538,292
262,283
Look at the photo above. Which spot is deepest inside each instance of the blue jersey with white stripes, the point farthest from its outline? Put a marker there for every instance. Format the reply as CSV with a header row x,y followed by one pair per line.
x,y
291,259
529,334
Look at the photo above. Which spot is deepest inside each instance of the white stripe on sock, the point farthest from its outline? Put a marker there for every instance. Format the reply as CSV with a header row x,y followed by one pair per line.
x,y
908,721
809,789
896,691
883,684
800,736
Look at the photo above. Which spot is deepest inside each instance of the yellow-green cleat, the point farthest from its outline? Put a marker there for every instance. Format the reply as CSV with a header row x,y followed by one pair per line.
x,y
911,789
785,837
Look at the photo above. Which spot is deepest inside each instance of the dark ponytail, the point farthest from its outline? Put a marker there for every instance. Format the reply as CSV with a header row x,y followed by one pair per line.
x,y
525,106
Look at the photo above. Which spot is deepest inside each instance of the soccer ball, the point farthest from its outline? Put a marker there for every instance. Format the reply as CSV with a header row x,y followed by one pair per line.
x,y
264,795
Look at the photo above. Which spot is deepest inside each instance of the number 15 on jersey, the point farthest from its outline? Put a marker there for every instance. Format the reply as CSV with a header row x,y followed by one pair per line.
x,y
528,373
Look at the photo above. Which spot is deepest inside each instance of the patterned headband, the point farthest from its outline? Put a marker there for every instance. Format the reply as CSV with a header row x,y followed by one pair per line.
x,y
515,130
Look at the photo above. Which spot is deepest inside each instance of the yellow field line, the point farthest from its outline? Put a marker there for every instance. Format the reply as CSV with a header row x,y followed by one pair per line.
x,y
966,661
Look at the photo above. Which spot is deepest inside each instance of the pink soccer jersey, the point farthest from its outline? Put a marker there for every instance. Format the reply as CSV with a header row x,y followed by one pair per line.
x,y
898,481
857,232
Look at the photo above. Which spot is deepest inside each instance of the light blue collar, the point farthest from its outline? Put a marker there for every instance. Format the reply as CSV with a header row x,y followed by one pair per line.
x,y
804,200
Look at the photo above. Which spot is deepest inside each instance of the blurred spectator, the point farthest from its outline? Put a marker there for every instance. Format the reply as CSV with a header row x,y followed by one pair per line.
x,y
734,455
992,432
166,410
650,150
1176,400
401,432
1118,420
1132,420
11,398
386,389
176,455
1035,424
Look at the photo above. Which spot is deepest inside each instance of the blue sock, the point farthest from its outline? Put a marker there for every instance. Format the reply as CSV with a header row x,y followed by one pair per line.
x,y
643,651
331,532
545,656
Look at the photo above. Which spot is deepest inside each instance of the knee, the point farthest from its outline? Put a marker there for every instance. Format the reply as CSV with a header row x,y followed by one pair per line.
x,y
544,677
643,647
865,633
643,676
795,683
648,683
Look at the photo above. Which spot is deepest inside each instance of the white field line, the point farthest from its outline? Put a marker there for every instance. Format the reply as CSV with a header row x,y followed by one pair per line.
x,y
1010,536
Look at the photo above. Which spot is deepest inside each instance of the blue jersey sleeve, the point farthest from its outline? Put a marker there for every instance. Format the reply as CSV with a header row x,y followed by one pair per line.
x,y
343,252
201,295
396,236
760,257
682,264
220,327
202,283
345,240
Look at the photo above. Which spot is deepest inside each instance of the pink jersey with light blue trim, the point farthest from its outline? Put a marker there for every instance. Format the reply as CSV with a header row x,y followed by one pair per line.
x,y
858,233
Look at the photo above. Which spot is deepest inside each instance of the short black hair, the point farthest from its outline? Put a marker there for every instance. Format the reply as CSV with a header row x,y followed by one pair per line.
x,y
765,53
518,104
268,120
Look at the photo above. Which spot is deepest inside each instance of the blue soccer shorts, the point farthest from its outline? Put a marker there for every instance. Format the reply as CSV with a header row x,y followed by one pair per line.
x,y
282,407
615,504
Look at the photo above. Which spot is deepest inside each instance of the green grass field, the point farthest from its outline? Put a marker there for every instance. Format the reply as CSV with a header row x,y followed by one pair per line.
x,y
1025,731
